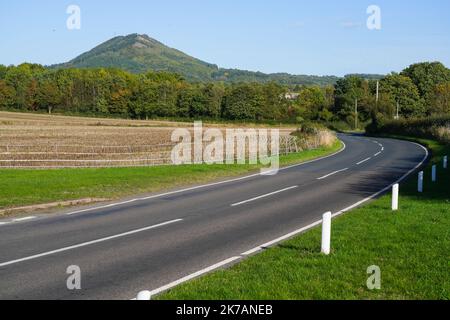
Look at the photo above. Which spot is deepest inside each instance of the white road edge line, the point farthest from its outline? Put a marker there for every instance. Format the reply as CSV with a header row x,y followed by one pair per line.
x,y
377,154
194,275
333,173
24,219
84,244
263,196
365,160
206,185
277,240
287,236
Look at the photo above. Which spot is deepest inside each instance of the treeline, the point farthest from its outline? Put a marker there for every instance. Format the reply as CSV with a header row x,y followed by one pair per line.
x,y
420,90
236,76
30,87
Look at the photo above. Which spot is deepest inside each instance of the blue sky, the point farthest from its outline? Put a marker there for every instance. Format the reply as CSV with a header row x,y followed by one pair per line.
x,y
301,37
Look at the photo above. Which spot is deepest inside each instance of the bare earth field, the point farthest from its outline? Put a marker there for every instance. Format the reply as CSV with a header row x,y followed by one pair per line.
x,y
53,141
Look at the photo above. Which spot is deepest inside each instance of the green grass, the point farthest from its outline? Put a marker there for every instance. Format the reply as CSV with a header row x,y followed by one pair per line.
x,y
27,187
412,248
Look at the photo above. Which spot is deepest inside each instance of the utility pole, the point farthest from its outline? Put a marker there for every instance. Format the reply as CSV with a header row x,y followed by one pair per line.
x,y
356,114
398,109
378,91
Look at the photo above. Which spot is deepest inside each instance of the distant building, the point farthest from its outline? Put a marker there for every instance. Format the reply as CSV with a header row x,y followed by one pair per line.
x,y
291,95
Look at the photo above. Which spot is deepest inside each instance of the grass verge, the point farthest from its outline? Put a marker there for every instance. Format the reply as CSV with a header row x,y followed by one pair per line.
x,y
411,247
29,187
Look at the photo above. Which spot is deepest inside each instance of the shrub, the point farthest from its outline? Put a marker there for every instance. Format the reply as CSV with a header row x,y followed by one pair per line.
x,y
432,128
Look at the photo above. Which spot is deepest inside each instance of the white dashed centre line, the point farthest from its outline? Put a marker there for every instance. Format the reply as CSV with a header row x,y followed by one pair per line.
x,y
84,244
263,196
333,173
365,160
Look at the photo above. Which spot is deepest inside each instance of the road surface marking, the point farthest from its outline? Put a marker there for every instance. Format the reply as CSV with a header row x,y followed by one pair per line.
x,y
377,154
333,173
84,244
263,196
365,160
162,289
195,275
24,219
344,146
287,236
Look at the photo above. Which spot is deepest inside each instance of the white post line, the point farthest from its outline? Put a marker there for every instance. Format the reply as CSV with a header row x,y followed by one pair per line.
x,y
433,173
330,174
395,189
420,182
263,196
144,295
326,233
84,244
444,162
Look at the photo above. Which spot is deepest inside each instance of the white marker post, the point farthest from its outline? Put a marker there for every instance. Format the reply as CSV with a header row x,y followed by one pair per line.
x,y
420,182
395,189
445,162
326,233
433,173
144,295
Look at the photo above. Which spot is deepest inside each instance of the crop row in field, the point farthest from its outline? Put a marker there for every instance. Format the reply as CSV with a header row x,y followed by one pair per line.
x,y
41,141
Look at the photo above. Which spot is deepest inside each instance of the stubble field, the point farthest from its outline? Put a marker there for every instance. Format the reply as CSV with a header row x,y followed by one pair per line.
x,y
44,141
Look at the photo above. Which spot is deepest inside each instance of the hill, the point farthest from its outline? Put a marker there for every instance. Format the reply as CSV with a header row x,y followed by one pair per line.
x,y
139,53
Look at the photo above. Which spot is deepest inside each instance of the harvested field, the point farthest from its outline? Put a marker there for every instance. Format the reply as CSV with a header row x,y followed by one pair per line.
x,y
52,141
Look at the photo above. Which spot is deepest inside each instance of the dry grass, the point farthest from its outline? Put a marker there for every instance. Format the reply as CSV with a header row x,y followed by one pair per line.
x,y
442,134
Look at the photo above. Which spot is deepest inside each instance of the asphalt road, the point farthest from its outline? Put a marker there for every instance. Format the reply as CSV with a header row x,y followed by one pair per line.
x,y
150,242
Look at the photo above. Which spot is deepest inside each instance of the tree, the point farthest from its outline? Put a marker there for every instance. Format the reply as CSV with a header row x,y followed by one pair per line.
x,y
119,101
244,102
7,95
440,99
426,76
310,102
213,95
19,78
275,104
3,71
348,91
396,88
48,96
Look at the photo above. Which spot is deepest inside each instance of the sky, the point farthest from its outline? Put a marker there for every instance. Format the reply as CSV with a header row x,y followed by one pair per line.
x,y
320,37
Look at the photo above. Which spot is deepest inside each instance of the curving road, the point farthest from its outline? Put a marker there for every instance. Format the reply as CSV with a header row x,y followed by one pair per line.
x,y
153,242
